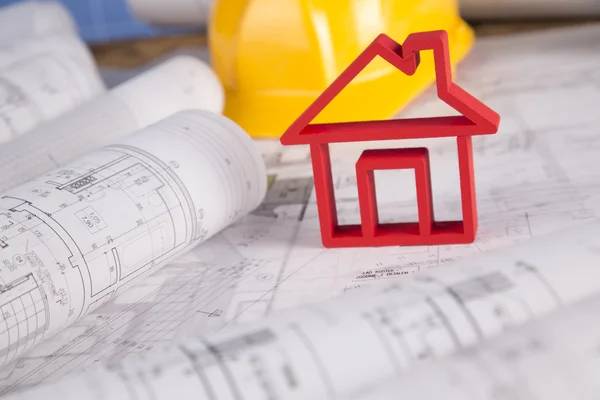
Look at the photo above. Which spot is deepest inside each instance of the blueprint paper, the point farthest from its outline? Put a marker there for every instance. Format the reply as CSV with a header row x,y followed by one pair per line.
x,y
71,239
345,346
42,87
43,78
34,19
178,84
537,176
60,44
551,359
186,13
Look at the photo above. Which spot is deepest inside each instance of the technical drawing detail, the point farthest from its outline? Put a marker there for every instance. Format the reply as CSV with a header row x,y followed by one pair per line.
x,y
73,238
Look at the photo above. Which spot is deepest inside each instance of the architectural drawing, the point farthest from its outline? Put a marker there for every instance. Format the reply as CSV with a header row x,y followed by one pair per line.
x,y
365,338
42,87
104,119
549,359
24,309
24,20
74,237
285,192
539,175
189,294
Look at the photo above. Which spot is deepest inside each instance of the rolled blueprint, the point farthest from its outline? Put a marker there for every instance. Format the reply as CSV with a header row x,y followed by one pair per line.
x,y
193,13
175,85
34,19
43,86
555,358
349,345
73,238
42,78
63,45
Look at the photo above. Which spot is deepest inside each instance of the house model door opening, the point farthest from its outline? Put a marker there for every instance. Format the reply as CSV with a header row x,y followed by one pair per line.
x,y
475,118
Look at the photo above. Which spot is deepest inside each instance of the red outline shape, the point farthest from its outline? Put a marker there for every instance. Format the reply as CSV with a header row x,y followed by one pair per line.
x,y
476,119
377,160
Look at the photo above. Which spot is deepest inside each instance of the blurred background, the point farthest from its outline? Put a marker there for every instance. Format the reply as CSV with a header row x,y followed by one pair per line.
x,y
263,50
105,21
102,21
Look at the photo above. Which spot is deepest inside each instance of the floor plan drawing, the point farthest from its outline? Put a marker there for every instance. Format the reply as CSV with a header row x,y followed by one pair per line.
x,y
39,88
24,307
74,237
282,192
371,336
12,101
104,249
187,292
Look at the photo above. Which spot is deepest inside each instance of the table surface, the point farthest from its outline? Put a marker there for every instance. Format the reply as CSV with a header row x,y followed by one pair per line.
x,y
136,53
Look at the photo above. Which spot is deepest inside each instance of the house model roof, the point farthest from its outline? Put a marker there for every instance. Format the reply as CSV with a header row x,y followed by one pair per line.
x,y
475,117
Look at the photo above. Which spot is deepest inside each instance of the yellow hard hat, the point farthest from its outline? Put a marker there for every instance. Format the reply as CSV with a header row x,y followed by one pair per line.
x,y
274,57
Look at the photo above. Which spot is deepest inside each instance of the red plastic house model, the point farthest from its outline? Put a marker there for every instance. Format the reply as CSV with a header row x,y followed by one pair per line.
x,y
475,119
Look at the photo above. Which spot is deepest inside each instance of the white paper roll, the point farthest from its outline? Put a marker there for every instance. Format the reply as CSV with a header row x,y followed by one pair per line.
x,y
172,12
83,233
178,84
33,19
